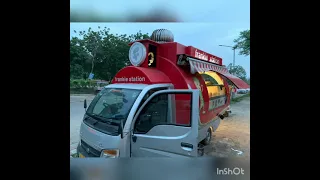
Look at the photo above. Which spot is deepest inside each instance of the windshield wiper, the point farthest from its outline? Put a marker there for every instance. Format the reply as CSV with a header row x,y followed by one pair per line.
x,y
117,117
105,119
101,118
113,118
97,117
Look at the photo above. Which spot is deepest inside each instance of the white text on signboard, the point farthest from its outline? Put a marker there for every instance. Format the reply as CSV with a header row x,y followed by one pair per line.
x,y
214,60
206,57
130,79
200,55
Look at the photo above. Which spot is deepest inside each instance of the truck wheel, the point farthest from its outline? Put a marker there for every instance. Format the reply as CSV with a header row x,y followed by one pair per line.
x,y
207,140
226,114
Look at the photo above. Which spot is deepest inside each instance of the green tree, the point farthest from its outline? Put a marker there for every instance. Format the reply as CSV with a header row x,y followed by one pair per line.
x,y
243,43
238,71
100,52
92,44
78,57
248,80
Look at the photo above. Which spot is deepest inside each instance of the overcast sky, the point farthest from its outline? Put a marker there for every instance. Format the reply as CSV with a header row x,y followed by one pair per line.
x,y
219,22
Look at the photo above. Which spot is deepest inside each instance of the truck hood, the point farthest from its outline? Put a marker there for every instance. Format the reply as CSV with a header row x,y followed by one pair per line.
x,y
97,139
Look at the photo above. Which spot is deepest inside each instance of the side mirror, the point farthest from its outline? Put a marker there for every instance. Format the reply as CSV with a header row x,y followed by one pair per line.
x,y
85,104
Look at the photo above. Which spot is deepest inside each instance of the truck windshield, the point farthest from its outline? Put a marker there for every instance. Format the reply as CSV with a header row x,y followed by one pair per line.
x,y
110,106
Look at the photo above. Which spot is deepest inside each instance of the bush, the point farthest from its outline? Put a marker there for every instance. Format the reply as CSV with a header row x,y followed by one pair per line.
x,y
81,83
84,84
74,84
92,84
238,99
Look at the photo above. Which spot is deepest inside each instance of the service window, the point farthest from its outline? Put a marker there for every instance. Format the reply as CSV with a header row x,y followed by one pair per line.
x,y
161,110
209,80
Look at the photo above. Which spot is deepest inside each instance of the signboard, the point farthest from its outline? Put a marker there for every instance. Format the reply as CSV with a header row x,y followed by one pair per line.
x,y
125,79
137,54
217,102
91,75
196,53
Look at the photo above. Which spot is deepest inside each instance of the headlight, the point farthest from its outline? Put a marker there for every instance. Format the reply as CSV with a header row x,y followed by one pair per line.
x,y
110,153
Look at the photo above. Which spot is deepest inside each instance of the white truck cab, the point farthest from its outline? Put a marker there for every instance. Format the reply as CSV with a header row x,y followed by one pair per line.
x,y
138,109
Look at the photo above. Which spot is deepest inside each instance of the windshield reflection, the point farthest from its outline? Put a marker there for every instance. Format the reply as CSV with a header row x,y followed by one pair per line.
x,y
113,103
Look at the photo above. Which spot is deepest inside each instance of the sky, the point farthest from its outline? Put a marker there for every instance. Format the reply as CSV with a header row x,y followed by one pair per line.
x,y
206,23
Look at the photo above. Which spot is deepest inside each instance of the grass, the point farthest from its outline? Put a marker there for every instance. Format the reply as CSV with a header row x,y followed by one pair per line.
x,y
75,155
238,99
82,91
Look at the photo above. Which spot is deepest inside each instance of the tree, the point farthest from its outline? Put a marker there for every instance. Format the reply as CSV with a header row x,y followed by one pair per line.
x,y
78,57
237,71
100,52
92,44
243,43
248,80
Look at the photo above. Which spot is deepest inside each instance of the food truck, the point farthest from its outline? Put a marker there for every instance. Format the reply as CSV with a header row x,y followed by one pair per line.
x,y
166,104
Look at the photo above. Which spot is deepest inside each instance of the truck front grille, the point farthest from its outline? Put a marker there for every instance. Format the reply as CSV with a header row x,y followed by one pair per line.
x,y
92,152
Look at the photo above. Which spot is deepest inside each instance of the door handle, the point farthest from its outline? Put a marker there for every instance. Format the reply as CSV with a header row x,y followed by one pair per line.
x,y
187,146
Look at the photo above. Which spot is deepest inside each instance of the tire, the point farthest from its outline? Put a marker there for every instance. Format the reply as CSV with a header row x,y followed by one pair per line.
x,y
208,138
226,114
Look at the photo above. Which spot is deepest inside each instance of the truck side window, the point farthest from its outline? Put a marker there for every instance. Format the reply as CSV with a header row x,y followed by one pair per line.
x,y
164,109
149,94
154,113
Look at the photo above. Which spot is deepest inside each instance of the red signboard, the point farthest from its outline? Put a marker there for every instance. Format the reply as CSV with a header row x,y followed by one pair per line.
x,y
139,75
197,53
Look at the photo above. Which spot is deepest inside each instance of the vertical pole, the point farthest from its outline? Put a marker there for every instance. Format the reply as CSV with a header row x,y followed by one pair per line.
x,y
234,57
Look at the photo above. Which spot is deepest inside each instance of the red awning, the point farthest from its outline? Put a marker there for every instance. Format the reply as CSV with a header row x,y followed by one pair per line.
x,y
200,66
239,83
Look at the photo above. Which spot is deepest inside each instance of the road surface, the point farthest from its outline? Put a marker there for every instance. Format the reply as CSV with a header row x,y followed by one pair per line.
x,y
233,134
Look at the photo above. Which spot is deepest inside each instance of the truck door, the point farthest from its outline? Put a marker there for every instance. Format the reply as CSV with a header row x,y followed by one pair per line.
x,y
155,131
